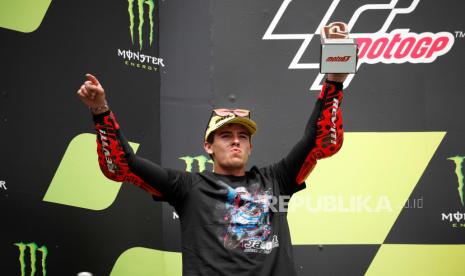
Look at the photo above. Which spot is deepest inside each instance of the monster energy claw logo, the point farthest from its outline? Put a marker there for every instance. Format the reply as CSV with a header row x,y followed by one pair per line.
x,y
201,162
33,249
140,11
458,160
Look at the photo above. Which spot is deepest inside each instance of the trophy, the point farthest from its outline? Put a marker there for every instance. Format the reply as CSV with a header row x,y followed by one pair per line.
x,y
338,51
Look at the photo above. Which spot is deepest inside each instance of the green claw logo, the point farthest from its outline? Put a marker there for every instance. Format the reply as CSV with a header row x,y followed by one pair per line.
x,y
201,162
458,160
140,10
33,249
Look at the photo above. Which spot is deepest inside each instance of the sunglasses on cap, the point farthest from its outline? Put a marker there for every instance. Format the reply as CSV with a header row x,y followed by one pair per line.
x,y
226,112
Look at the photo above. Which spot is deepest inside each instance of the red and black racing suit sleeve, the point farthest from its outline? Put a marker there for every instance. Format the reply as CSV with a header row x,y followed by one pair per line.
x,y
119,163
323,135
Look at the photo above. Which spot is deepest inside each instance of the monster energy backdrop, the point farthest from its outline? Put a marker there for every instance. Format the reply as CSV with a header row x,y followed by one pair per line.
x,y
59,215
391,202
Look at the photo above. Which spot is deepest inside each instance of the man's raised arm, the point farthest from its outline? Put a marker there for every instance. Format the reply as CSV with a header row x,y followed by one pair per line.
x,y
116,158
323,135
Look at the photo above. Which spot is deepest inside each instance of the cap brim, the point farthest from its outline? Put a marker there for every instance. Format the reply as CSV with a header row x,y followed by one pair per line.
x,y
250,125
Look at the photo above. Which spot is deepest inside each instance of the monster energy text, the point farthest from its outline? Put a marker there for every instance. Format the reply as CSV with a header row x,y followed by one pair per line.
x,y
33,249
138,60
136,56
457,219
140,11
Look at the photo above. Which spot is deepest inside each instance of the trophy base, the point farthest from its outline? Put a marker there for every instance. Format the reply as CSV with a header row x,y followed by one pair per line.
x,y
338,56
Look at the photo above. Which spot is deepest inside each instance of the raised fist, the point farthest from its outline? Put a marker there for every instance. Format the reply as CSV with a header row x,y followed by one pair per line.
x,y
92,93
335,30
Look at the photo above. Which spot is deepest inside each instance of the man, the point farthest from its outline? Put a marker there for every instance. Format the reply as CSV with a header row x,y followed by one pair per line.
x,y
230,223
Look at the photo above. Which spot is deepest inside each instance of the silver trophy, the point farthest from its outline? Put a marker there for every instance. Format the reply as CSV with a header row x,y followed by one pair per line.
x,y
338,51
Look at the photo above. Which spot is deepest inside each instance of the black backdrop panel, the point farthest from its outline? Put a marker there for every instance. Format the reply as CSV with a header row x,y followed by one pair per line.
x,y
40,114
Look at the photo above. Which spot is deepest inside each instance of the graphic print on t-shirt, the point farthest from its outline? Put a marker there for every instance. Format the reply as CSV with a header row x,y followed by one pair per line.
x,y
247,214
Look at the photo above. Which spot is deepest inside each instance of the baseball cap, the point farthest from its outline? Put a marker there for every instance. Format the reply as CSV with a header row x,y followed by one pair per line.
x,y
224,116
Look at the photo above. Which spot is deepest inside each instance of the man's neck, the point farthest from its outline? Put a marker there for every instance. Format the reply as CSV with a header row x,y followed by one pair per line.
x,y
229,171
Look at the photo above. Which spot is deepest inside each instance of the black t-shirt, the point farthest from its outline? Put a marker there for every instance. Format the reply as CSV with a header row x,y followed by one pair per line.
x,y
233,225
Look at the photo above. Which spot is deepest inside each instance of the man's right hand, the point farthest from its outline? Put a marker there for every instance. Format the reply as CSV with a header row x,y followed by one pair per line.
x,y
92,94
336,30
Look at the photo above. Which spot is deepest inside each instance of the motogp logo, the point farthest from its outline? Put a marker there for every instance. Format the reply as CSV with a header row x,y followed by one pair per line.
x,y
397,46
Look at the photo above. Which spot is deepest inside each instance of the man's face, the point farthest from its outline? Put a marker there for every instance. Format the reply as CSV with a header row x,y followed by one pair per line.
x,y
231,147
